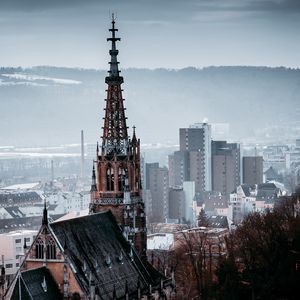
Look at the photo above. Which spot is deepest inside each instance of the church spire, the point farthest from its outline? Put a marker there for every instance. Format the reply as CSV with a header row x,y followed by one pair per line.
x,y
118,166
115,136
113,77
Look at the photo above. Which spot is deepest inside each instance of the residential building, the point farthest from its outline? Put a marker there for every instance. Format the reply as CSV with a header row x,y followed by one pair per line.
x,y
252,169
252,198
225,166
197,141
176,203
158,184
179,168
12,248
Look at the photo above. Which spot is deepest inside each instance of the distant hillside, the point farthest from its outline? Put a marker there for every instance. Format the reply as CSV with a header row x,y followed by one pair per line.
x,y
48,105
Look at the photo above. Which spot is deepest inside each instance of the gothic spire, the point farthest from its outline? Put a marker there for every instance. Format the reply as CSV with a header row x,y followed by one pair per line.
x,y
94,184
134,139
113,77
45,214
115,136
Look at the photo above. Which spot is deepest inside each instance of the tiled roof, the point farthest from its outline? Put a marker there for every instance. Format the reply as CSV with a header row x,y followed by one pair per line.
x,y
36,284
247,188
98,250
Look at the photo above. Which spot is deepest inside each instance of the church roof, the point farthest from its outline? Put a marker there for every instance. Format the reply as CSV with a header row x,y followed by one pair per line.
x,y
36,284
98,252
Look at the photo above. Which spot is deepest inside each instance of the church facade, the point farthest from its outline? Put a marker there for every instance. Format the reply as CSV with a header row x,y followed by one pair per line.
x,y
101,255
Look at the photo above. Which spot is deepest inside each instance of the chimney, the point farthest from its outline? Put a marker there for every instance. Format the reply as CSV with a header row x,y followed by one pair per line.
x,y
82,155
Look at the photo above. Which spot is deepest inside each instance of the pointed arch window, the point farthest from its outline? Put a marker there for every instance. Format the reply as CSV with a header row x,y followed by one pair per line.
x,y
39,249
121,179
110,178
51,249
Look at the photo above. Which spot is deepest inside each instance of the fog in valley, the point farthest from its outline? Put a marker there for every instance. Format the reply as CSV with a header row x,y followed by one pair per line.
x,y
46,106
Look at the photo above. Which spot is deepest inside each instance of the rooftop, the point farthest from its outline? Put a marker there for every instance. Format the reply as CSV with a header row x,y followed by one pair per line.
x,y
97,249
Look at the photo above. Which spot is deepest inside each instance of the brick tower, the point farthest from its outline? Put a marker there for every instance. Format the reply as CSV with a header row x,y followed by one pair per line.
x,y
117,183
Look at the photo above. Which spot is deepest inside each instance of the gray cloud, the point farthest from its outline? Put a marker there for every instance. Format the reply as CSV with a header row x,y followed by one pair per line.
x,y
195,32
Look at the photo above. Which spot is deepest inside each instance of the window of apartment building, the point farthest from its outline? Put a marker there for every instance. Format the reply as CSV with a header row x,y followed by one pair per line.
x,y
8,266
18,249
27,240
18,241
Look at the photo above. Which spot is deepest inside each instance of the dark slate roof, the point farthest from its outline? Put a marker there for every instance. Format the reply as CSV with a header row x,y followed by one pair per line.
x,y
247,189
267,191
97,250
214,202
7,225
218,222
15,212
16,198
31,283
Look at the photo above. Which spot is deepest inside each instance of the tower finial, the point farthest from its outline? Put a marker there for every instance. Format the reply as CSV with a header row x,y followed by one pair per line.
x,y
134,140
45,214
113,77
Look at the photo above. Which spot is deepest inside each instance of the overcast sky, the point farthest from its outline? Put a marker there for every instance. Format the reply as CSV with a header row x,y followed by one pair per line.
x,y
155,33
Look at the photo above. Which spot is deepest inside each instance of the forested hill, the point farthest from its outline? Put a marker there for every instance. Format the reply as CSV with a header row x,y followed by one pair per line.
x,y
49,105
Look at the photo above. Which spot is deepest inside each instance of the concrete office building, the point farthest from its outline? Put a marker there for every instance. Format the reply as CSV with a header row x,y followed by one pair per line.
x,y
252,169
225,166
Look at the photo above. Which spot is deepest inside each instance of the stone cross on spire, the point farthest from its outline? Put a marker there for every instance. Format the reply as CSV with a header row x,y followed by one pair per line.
x,y
113,77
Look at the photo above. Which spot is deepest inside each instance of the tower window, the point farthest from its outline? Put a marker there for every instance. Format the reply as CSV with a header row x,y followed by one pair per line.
x,y
121,179
110,179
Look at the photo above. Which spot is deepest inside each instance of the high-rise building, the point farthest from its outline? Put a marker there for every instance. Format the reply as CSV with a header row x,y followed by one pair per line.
x,y
225,166
176,203
158,185
148,167
196,140
252,169
179,168
117,181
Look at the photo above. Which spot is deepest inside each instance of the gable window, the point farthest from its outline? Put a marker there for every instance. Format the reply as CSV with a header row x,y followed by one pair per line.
x,y
39,249
51,250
